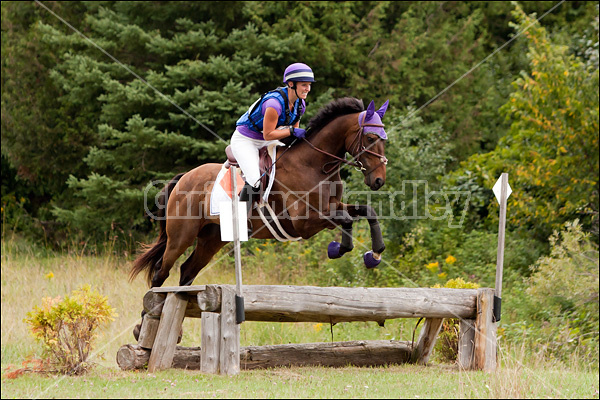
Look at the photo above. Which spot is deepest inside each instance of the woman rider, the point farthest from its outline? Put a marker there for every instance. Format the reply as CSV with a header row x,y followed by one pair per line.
x,y
274,116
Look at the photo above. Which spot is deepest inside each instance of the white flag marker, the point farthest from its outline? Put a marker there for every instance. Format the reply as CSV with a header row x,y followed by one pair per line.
x,y
498,189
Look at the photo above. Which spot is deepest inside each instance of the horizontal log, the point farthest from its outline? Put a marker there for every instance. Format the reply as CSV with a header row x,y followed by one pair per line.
x,y
360,353
337,354
340,304
133,356
280,303
154,302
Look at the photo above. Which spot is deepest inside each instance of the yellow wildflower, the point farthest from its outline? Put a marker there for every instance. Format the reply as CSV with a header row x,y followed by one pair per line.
x,y
432,266
450,260
442,275
318,327
49,275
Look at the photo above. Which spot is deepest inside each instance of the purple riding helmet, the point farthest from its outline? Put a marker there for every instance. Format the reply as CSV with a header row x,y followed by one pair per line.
x,y
370,116
298,72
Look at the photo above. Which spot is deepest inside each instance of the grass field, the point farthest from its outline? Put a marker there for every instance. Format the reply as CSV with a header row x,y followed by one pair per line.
x,y
29,274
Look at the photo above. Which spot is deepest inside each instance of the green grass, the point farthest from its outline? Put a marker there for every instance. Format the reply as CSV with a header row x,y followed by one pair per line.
x,y
30,273
406,381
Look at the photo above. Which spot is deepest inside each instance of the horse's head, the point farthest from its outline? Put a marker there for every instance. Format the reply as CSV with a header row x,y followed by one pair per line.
x,y
370,145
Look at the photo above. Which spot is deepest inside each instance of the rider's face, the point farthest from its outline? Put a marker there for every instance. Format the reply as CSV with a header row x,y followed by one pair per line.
x,y
302,88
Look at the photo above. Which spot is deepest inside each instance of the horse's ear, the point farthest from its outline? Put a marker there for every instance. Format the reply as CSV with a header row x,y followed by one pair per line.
x,y
383,108
370,110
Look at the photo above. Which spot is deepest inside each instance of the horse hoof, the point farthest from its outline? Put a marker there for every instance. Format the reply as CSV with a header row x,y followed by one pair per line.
x,y
333,250
136,331
370,260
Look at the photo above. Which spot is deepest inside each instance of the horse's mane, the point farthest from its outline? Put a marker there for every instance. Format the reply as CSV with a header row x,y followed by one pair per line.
x,y
337,108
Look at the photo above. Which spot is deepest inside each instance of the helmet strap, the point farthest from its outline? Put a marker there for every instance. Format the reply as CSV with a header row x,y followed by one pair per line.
x,y
295,88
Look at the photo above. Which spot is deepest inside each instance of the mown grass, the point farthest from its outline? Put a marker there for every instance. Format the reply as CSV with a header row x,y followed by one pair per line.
x,y
402,381
30,273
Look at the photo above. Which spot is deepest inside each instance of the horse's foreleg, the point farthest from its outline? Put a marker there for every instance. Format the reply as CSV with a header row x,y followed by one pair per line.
x,y
371,258
365,211
336,249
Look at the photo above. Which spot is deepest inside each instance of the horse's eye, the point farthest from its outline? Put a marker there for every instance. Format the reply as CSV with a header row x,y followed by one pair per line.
x,y
370,140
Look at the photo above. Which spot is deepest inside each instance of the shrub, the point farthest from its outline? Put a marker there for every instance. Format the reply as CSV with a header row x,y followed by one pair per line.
x,y
67,328
564,294
447,344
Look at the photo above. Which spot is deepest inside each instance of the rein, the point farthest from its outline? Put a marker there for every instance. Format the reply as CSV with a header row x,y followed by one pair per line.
x,y
359,150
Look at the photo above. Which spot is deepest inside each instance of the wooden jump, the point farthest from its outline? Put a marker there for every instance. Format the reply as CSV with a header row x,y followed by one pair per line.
x,y
166,307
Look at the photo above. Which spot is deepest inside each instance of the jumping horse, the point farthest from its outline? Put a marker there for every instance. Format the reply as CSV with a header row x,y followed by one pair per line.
x,y
305,195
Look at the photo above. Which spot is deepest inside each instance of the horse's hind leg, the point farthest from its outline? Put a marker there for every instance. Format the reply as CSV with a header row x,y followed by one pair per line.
x,y
209,243
175,248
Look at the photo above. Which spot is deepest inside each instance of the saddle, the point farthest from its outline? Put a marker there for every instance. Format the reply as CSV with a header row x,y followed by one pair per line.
x,y
264,160
265,212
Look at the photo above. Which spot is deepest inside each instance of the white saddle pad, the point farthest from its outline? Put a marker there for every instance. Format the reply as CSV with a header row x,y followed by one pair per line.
x,y
222,188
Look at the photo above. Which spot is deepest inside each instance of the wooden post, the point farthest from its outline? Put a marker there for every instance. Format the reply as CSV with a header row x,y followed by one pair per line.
x,y
210,343
466,343
230,335
239,301
168,332
153,305
148,331
485,331
501,234
426,341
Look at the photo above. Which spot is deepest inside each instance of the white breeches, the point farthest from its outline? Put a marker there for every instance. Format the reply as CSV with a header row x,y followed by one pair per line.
x,y
245,151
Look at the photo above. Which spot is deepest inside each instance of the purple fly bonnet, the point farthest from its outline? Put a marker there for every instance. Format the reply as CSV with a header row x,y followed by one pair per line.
x,y
370,120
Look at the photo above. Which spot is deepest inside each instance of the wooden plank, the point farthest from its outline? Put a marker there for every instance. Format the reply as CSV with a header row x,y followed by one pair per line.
x,y
179,289
360,353
426,341
229,356
466,343
210,342
485,332
168,332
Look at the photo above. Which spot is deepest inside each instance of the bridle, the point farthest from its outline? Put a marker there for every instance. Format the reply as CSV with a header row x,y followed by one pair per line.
x,y
356,149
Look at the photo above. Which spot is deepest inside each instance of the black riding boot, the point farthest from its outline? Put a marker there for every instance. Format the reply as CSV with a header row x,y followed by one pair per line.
x,y
250,195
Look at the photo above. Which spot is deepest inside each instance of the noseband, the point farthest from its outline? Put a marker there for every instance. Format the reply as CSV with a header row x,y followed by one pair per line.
x,y
356,149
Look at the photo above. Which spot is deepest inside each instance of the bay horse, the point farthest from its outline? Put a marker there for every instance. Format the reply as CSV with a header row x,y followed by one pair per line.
x,y
306,194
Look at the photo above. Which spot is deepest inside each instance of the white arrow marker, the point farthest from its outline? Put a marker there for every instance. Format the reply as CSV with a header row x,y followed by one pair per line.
x,y
498,189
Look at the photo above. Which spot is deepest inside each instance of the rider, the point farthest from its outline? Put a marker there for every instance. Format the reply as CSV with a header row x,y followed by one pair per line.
x,y
274,116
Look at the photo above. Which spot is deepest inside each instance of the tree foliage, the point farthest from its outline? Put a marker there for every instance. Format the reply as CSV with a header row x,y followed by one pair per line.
x,y
145,90
551,148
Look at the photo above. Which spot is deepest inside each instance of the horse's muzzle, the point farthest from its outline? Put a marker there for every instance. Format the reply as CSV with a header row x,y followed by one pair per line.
x,y
379,182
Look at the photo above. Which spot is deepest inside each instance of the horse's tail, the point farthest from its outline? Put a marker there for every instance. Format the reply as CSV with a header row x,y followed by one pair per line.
x,y
154,252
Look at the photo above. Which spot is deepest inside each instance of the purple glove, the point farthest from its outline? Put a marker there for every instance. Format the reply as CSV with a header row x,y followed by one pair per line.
x,y
298,132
